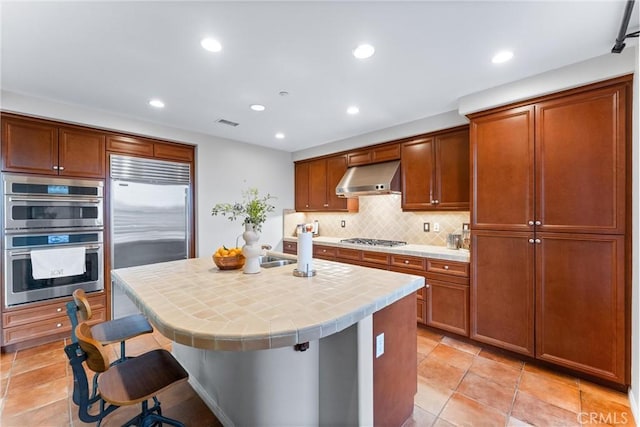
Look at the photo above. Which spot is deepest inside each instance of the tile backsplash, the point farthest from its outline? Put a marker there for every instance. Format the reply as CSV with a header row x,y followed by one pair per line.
x,y
381,217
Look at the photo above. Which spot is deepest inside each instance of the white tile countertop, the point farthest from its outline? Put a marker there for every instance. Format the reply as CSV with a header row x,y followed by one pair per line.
x,y
194,303
428,251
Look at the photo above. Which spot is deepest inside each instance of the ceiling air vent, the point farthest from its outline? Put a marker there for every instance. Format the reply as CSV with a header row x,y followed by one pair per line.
x,y
227,122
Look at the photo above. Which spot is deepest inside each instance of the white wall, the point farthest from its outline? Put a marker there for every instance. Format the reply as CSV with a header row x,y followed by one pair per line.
x,y
224,167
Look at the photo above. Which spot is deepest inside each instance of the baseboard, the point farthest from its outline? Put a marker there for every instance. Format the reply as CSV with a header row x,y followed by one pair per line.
x,y
634,406
212,404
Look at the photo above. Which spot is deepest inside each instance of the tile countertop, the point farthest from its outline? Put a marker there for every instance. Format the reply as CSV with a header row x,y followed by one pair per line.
x,y
195,304
429,251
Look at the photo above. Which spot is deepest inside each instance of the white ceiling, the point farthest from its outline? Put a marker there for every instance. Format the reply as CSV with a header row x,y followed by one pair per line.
x,y
115,56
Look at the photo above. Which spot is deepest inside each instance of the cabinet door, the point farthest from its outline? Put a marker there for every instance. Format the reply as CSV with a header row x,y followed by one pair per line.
x,y
580,303
448,306
318,184
82,153
29,146
336,167
452,170
580,143
418,173
502,154
502,290
302,186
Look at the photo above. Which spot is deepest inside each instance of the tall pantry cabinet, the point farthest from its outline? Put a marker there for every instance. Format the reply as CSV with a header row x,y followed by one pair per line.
x,y
548,221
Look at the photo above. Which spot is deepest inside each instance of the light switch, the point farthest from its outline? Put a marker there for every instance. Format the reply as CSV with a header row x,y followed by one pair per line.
x,y
380,345
425,226
436,226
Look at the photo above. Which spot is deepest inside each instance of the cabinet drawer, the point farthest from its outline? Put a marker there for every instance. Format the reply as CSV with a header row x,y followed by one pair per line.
x,y
290,248
129,145
45,328
410,262
348,254
324,252
29,315
375,257
453,268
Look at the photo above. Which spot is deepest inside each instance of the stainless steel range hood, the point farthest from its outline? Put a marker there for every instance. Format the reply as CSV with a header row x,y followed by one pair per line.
x,y
379,178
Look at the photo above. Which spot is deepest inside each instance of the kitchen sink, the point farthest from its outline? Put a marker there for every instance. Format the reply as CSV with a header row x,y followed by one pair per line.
x,y
270,261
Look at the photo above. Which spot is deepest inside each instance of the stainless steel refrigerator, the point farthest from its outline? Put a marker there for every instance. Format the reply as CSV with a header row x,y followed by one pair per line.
x,y
150,217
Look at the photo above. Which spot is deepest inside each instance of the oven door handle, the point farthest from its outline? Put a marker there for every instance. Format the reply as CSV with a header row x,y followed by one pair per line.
x,y
21,253
51,199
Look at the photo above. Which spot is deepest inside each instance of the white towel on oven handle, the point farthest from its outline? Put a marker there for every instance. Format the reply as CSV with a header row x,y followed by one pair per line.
x,y
58,262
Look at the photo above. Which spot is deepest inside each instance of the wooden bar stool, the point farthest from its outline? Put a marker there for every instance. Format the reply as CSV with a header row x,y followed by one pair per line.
x,y
111,331
133,381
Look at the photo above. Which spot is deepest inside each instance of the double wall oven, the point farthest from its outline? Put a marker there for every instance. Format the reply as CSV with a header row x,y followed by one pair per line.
x,y
42,213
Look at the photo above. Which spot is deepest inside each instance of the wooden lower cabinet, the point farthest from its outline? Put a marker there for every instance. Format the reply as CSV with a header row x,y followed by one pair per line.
x,y
37,322
502,290
421,306
580,303
290,248
447,306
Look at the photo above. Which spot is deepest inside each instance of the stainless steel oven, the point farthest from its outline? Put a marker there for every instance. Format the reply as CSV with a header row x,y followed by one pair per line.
x,y
21,287
33,202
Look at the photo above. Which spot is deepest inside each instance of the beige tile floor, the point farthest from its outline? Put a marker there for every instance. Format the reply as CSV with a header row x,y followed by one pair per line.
x,y
458,384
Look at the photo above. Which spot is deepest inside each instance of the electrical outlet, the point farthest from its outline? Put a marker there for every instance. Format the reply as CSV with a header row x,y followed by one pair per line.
x,y
436,226
425,226
343,223
465,226
380,345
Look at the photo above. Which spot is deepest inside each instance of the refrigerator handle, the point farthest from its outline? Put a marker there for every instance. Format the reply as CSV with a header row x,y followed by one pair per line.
x,y
186,221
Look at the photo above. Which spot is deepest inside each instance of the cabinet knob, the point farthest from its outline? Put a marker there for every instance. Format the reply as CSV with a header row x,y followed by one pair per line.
x,y
55,168
61,168
538,241
59,325
531,223
427,286
59,309
446,267
531,241
406,261
538,222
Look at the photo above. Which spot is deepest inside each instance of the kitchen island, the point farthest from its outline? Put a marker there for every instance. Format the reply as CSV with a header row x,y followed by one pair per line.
x,y
240,337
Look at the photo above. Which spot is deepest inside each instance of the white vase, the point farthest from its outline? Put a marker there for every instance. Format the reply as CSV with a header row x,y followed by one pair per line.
x,y
251,250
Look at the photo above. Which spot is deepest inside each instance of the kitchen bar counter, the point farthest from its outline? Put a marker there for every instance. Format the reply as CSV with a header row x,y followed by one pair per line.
x,y
236,335
195,304
428,251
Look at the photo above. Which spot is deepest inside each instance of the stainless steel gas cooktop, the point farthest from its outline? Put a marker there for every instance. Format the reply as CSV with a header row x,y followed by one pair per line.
x,y
373,242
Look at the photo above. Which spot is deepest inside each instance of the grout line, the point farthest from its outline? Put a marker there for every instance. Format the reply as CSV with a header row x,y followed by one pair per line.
x,y
515,394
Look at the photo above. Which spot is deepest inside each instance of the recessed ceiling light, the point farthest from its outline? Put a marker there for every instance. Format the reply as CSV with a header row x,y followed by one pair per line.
x,y
257,107
353,110
364,51
502,56
212,45
156,103
280,135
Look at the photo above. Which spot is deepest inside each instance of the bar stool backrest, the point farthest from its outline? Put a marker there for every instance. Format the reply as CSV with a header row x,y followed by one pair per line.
x,y
84,308
97,359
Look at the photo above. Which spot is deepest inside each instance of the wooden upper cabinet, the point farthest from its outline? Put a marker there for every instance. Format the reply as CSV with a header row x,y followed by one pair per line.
x,y
502,150
130,145
435,172
29,145
81,153
42,147
452,170
580,162
173,152
302,186
315,184
379,154
418,174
